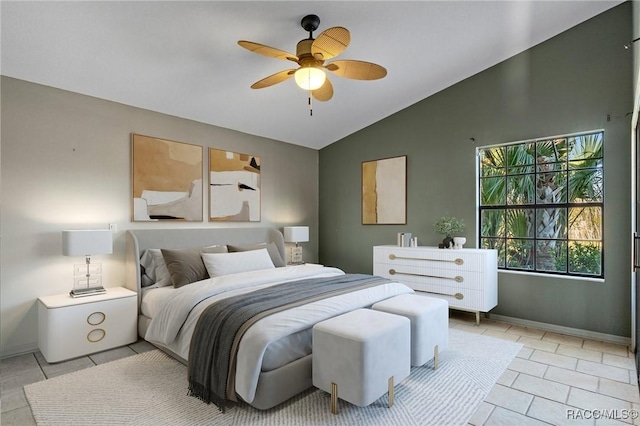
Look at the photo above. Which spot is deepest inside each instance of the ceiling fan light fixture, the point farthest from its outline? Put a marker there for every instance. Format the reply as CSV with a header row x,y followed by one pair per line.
x,y
310,78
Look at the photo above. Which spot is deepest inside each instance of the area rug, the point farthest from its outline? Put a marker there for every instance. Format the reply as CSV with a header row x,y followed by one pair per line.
x,y
150,389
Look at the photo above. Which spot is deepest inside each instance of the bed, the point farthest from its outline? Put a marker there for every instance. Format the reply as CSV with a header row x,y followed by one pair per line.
x,y
273,361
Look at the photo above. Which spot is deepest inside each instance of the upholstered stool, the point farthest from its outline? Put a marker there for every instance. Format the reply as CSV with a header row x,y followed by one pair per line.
x,y
429,324
360,355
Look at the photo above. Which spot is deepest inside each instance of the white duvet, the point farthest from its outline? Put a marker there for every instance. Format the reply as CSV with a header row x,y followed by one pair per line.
x,y
174,324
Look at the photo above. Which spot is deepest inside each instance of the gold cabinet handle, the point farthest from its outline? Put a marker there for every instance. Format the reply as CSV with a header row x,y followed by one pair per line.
x,y
457,261
96,318
457,278
96,335
458,296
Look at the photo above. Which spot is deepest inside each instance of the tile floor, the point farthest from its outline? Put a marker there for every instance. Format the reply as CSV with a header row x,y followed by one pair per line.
x,y
555,379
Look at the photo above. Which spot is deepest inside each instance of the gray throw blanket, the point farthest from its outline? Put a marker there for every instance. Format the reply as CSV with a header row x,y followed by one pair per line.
x,y
214,343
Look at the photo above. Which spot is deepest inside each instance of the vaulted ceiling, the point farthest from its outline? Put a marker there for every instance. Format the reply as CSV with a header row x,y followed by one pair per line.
x,y
182,58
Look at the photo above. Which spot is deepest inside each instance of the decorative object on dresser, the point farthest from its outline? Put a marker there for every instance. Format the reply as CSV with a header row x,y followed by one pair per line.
x,y
167,179
69,328
384,191
458,242
296,234
85,243
234,186
448,226
466,278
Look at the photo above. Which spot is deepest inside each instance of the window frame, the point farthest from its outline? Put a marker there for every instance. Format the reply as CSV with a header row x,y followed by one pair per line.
x,y
566,206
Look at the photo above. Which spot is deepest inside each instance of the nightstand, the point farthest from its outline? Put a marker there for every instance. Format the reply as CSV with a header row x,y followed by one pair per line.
x,y
72,327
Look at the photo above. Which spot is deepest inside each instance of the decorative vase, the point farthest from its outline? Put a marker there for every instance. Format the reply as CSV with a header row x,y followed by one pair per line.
x,y
458,242
447,242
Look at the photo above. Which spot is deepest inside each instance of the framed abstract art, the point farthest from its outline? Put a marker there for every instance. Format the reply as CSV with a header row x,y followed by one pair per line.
x,y
384,191
234,186
166,179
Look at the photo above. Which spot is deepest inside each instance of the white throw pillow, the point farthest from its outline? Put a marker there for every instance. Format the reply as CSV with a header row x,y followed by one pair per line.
x,y
219,264
163,277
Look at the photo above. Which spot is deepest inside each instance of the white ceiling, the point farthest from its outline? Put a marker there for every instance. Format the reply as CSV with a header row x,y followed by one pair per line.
x,y
181,58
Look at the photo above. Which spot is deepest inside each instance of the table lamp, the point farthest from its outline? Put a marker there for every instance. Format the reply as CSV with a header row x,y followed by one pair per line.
x,y
296,234
86,243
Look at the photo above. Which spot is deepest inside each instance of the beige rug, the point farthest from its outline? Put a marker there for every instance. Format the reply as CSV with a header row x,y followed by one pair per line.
x,y
151,389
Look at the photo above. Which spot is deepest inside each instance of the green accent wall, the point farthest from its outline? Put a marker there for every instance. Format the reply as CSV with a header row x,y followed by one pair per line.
x,y
577,81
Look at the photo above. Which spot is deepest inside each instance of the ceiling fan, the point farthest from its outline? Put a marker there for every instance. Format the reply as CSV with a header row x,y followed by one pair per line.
x,y
310,56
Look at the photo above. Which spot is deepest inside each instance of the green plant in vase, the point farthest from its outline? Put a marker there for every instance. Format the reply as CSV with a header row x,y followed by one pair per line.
x,y
448,226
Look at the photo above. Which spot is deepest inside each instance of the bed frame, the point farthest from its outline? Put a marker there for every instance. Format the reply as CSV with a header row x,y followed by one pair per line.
x,y
274,387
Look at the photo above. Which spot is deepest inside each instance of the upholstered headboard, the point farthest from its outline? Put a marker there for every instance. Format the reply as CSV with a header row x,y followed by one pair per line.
x,y
139,240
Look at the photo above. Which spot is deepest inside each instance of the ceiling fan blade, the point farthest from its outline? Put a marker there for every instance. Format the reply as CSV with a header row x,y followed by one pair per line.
x,y
276,78
271,52
357,70
325,92
331,42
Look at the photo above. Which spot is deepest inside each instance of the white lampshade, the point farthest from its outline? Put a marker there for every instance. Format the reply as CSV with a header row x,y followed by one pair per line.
x,y
87,242
310,78
296,234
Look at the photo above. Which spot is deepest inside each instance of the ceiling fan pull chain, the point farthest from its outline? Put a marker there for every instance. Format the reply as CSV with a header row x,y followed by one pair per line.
x,y
310,105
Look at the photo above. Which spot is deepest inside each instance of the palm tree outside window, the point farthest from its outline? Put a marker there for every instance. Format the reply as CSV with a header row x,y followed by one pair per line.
x,y
542,204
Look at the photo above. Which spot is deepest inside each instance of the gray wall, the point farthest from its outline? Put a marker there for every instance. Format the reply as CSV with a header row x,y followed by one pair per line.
x,y
568,84
66,165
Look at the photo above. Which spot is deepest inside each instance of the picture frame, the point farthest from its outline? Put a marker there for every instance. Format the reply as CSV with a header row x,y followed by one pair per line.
x,y
166,180
234,186
384,191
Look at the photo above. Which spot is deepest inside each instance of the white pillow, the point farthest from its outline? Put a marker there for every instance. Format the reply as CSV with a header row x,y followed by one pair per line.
x,y
163,277
218,264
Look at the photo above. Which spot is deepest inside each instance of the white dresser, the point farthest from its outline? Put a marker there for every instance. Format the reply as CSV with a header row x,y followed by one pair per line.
x,y
466,278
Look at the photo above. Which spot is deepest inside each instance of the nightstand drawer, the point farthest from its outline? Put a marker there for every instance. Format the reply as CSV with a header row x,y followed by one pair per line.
x,y
76,327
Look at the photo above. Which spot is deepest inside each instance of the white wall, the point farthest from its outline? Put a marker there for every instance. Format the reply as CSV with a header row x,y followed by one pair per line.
x,y
65,164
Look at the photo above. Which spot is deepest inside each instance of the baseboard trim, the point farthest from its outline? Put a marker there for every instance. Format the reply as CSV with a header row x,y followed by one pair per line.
x,y
577,332
19,350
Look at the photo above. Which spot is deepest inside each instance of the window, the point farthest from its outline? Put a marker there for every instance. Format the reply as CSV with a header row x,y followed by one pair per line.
x,y
541,204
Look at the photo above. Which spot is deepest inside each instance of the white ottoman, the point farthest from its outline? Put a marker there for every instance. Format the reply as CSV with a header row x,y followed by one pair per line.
x,y
358,356
429,324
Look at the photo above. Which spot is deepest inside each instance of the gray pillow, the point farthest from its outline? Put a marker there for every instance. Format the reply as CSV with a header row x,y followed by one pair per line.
x,y
185,266
271,248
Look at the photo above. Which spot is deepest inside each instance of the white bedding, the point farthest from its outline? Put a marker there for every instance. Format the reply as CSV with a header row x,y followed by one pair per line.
x,y
177,315
153,298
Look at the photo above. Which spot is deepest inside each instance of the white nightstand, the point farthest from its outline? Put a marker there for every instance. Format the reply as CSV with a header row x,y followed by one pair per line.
x,y
71,327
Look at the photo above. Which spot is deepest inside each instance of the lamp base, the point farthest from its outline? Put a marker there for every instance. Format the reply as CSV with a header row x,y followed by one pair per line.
x,y
89,291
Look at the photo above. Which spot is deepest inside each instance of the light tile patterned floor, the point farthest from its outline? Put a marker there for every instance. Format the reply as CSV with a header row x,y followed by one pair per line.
x,y
556,379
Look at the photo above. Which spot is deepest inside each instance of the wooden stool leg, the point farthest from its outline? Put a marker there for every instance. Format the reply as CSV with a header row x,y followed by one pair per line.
x,y
435,357
390,391
334,398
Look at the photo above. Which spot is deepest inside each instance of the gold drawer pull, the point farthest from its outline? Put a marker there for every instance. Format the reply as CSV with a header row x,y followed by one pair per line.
x,y
457,278
457,261
458,296
96,335
96,318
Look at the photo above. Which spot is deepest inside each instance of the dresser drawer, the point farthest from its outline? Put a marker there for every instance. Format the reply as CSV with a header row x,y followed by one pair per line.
x,y
454,260
441,276
464,298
